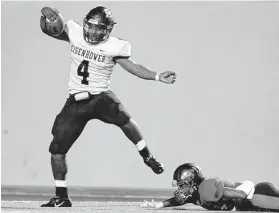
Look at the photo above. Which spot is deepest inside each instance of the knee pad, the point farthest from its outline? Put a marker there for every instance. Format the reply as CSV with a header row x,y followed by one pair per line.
x,y
119,115
56,148
122,119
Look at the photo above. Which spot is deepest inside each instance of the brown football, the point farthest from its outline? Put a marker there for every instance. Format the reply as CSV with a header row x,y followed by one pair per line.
x,y
56,26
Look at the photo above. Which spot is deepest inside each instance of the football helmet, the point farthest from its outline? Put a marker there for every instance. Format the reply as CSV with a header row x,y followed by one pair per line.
x,y
97,25
186,178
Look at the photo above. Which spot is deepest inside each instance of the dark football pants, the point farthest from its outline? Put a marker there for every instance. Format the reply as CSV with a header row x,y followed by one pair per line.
x,y
70,122
266,197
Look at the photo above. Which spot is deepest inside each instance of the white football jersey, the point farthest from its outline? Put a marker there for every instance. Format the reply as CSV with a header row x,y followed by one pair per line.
x,y
92,65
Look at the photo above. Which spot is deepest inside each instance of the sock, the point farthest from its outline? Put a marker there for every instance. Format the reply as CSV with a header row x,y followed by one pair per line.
x,y
140,145
143,149
61,188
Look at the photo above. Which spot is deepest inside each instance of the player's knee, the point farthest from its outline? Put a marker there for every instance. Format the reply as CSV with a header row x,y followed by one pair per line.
x,y
122,119
56,148
130,124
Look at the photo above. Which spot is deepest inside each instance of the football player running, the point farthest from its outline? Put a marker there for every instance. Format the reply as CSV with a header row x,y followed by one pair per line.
x,y
94,54
216,194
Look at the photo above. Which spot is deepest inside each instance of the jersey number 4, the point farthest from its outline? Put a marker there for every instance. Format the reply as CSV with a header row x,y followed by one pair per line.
x,y
83,71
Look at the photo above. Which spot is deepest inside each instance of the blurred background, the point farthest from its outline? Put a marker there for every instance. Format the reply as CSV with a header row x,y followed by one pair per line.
x,y
222,113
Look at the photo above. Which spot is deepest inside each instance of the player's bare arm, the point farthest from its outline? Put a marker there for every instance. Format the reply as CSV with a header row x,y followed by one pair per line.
x,y
171,202
242,191
143,72
230,193
51,15
230,183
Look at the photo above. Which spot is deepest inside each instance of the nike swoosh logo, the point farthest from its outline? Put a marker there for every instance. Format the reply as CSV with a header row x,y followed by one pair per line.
x,y
59,204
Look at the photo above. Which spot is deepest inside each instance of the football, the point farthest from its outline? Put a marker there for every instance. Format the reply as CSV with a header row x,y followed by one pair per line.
x,y
55,24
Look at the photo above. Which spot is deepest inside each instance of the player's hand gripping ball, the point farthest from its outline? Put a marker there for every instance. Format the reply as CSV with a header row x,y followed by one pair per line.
x,y
54,21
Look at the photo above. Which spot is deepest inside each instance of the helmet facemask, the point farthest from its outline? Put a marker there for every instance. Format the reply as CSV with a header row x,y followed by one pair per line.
x,y
95,31
97,25
186,186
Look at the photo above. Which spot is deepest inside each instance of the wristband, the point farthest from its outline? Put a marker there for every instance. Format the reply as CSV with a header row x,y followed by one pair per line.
x,y
157,76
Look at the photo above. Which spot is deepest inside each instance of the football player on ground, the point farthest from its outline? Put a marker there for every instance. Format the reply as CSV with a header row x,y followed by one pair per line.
x,y
216,194
94,54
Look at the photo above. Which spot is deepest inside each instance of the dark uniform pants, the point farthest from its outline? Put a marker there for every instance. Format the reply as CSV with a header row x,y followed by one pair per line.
x,y
70,122
265,198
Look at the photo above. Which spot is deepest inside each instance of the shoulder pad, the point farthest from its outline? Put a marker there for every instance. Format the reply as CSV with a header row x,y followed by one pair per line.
x,y
211,190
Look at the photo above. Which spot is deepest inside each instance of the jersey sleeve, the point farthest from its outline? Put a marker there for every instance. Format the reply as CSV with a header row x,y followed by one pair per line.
x,y
71,28
126,50
211,190
248,187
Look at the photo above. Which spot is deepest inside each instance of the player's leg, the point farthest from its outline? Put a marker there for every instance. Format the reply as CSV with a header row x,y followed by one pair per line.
x,y
67,128
131,130
266,197
133,133
112,111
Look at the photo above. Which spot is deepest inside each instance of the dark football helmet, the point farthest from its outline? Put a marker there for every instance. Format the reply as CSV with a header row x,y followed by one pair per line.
x,y
97,25
186,178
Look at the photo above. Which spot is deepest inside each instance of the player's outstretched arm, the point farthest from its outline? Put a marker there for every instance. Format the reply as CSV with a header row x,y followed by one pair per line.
x,y
171,202
143,72
48,17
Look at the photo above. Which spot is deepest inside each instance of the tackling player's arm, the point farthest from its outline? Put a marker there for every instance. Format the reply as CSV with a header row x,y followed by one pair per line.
x,y
242,191
171,202
233,193
52,14
230,183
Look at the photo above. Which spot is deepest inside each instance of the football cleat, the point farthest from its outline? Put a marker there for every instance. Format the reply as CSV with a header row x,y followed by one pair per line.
x,y
154,164
58,202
